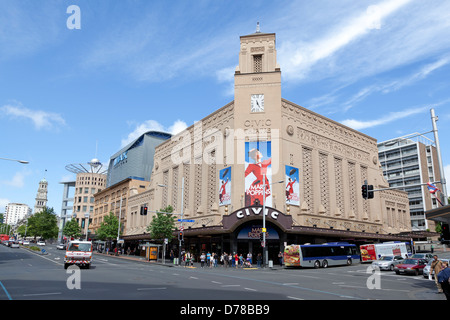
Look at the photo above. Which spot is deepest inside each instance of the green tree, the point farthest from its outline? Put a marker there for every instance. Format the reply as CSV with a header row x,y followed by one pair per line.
x,y
43,224
108,228
162,224
72,229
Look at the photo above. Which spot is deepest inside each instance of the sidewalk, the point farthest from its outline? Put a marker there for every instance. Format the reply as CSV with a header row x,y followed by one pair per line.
x,y
168,263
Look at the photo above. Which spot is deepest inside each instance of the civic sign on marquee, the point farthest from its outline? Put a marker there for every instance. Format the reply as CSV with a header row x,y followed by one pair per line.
x,y
248,211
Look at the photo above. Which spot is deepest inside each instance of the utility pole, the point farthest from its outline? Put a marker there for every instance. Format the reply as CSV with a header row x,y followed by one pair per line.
x,y
434,118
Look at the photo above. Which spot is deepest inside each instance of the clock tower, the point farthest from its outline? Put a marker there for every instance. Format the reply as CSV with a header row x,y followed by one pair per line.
x,y
257,90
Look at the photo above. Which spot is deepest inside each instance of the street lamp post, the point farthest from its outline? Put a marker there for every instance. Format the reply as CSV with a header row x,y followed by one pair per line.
x,y
265,253
20,161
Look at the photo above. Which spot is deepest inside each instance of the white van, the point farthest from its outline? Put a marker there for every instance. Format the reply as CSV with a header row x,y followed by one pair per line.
x,y
79,253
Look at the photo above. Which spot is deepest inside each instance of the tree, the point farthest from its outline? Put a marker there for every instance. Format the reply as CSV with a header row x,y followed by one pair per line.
x,y
72,229
43,224
162,224
108,228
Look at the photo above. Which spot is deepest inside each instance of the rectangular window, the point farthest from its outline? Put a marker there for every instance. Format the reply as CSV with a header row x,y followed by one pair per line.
x,y
257,63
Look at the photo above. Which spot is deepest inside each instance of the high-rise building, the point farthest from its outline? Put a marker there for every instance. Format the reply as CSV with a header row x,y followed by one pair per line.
x,y
409,163
14,212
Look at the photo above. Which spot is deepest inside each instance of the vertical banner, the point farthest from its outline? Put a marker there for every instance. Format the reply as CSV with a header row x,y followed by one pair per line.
x,y
258,163
292,186
225,187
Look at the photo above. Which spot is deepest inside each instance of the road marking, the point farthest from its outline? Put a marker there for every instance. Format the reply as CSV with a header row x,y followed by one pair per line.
x,y
193,278
216,282
41,294
295,298
250,289
231,285
142,289
6,291
290,284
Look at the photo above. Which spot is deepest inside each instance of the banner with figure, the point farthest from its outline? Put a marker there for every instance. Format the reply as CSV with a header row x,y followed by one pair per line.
x,y
258,160
292,186
225,186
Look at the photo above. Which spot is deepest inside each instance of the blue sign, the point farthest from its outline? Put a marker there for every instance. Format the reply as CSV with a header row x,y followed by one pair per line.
x,y
185,220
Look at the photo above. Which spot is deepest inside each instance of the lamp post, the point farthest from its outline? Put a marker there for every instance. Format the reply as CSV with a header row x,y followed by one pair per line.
x,y
181,214
20,161
265,253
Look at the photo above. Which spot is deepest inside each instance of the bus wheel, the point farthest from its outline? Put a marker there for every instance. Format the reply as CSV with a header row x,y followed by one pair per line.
x,y
349,262
317,264
325,264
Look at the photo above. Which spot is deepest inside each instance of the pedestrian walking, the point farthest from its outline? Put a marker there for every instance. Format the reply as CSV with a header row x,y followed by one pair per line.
x,y
216,259
443,278
249,257
236,260
202,259
208,259
436,266
258,260
225,260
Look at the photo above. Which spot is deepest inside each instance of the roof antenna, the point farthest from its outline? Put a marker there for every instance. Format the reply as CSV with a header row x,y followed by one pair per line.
x,y
257,28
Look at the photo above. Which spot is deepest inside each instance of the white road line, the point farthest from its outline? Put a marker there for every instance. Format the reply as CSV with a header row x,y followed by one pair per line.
x,y
290,284
41,294
295,298
142,289
231,285
250,289
216,282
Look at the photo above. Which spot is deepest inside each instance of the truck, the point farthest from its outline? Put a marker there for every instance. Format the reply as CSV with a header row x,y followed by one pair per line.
x,y
78,253
372,252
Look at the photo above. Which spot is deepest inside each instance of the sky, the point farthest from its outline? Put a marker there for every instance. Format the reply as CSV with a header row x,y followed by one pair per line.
x,y
78,83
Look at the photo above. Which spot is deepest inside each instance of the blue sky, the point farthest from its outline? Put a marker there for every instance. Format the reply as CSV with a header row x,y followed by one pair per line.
x,y
69,95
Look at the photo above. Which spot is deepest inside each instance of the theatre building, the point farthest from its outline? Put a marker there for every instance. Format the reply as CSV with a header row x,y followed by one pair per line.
x,y
261,149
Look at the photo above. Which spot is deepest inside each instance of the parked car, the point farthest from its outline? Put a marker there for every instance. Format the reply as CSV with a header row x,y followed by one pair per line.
x,y
26,242
61,246
387,262
426,270
40,243
15,244
411,266
425,256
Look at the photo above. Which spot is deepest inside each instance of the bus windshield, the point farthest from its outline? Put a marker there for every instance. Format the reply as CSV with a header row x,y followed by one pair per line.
x,y
79,247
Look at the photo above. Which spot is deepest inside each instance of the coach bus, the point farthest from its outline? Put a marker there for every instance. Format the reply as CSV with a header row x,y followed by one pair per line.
x,y
321,255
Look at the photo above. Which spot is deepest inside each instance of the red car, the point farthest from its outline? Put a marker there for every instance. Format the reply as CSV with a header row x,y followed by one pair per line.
x,y
411,266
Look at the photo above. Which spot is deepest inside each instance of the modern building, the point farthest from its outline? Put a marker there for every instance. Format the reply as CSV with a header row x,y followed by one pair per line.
x,y
66,207
135,159
41,196
90,179
263,150
14,212
409,163
115,199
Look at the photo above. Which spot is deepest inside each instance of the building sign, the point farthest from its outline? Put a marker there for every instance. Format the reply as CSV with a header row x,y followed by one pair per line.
x,y
258,171
253,232
225,187
245,212
292,186
123,156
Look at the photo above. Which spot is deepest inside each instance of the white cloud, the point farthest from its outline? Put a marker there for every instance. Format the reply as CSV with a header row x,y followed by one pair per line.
x,y
149,125
390,117
18,180
41,119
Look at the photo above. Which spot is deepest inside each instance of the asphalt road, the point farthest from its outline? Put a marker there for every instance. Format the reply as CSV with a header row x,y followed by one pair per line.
x,y
28,276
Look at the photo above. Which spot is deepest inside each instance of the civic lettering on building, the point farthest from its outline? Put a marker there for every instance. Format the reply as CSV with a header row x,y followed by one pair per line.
x,y
256,211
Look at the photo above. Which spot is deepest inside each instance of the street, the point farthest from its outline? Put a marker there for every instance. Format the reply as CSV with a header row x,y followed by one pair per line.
x,y
30,276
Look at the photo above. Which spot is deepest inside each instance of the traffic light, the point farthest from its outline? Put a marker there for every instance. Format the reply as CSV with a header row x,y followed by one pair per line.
x,y
180,235
364,191
144,211
261,236
369,191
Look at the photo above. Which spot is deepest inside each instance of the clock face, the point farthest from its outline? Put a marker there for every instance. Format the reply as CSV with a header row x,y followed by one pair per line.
x,y
257,103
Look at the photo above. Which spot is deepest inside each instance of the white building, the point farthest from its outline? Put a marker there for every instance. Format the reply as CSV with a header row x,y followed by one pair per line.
x,y
408,163
16,212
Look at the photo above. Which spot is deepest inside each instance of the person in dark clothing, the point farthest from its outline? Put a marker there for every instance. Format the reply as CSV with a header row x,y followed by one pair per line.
x,y
443,278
